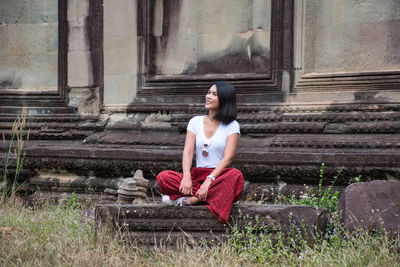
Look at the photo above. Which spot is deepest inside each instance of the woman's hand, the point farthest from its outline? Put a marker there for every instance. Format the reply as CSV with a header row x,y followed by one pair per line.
x,y
203,190
186,185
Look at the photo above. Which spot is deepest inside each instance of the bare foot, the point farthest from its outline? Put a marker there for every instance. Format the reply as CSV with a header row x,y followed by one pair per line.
x,y
194,200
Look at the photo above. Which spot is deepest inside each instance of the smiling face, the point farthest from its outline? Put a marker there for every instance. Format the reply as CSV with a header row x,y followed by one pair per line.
x,y
212,101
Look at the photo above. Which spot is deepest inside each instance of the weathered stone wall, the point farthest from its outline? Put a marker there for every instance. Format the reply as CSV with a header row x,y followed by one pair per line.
x,y
346,51
28,44
121,51
352,36
317,81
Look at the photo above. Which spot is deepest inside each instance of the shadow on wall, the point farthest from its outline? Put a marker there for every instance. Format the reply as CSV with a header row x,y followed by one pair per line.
x,y
230,62
9,82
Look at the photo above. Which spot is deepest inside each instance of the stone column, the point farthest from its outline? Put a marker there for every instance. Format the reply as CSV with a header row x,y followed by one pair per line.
x,y
85,56
120,51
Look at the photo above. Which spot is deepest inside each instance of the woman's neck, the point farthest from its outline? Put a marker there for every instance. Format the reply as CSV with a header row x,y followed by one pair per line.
x,y
211,116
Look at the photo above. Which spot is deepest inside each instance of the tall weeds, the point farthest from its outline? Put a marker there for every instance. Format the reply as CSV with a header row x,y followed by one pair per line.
x,y
14,157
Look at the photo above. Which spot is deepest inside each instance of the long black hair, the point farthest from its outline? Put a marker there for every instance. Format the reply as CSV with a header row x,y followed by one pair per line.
x,y
227,102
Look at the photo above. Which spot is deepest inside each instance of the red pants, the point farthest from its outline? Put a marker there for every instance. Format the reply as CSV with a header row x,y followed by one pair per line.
x,y
223,191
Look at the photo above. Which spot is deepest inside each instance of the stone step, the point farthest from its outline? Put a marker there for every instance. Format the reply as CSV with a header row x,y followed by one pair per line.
x,y
299,166
150,224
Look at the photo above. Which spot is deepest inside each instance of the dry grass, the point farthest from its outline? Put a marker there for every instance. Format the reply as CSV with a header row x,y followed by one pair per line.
x,y
58,236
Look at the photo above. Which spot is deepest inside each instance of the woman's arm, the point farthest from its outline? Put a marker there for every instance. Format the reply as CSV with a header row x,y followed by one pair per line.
x,y
187,159
229,153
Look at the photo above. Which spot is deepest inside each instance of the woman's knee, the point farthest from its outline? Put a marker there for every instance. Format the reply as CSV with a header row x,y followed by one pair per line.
x,y
236,173
162,176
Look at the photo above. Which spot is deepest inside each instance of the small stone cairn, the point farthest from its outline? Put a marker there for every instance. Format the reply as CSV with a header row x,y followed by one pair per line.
x,y
133,189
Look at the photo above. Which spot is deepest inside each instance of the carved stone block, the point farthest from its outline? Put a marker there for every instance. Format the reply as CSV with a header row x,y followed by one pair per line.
x,y
151,224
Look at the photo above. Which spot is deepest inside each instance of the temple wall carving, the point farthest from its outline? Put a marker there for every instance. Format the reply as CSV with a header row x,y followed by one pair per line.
x,y
170,51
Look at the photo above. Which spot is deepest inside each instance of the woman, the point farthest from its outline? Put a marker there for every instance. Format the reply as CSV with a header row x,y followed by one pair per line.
x,y
214,137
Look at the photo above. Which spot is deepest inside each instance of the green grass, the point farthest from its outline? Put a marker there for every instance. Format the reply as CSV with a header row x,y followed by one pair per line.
x,y
60,236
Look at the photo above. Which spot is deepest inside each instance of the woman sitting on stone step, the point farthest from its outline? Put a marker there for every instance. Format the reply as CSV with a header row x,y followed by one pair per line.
x,y
214,137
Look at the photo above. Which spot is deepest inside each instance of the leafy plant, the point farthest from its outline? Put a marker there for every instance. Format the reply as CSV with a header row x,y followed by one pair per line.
x,y
72,203
356,179
323,198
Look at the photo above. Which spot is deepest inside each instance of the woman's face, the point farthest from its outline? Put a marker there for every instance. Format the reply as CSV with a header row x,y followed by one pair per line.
x,y
212,102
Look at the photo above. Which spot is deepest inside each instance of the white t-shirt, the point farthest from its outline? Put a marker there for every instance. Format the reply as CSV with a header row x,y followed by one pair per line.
x,y
218,141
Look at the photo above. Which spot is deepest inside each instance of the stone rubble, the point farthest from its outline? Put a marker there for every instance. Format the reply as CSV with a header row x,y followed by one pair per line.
x,y
110,196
